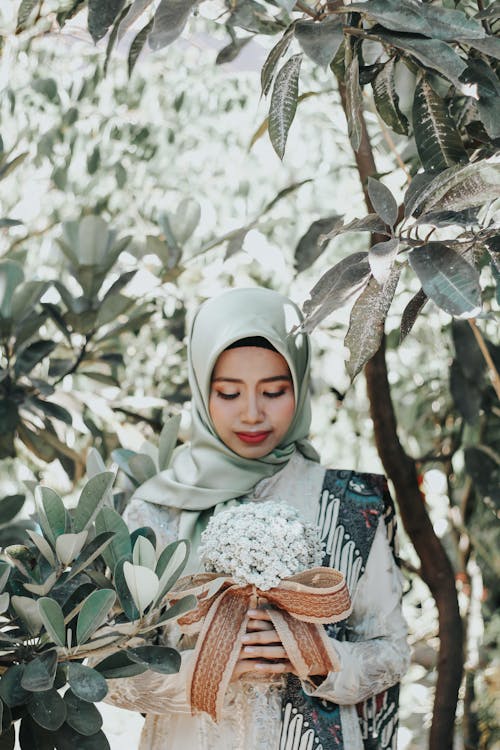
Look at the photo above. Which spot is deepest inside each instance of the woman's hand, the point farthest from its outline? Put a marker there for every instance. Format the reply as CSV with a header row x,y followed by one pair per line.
x,y
262,651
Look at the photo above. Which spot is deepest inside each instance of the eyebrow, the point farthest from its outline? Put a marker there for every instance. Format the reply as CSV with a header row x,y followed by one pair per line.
x,y
273,379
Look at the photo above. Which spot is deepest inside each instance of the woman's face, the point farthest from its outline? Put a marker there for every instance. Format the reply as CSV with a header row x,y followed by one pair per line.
x,y
252,402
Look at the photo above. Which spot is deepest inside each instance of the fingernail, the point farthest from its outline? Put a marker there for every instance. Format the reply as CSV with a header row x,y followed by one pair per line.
x,y
250,649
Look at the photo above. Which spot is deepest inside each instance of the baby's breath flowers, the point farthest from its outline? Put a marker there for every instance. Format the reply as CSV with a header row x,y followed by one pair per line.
x,y
260,543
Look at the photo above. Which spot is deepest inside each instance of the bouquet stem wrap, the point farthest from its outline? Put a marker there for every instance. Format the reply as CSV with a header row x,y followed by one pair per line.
x,y
300,605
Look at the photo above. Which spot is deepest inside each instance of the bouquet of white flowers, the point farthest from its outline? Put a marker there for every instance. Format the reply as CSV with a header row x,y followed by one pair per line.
x,y
260,543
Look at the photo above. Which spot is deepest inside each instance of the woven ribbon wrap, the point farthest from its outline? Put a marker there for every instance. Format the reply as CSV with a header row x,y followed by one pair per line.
x,y
300,606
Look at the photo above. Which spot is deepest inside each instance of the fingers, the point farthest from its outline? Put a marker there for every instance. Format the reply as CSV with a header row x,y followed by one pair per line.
x,y
260,638
259,614
263,652
246,666
259,625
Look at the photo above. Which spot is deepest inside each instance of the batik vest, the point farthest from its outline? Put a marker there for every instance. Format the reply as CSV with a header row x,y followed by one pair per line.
x,y
350,507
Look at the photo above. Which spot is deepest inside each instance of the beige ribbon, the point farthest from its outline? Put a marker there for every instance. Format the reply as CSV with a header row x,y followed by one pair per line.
x,y
300,606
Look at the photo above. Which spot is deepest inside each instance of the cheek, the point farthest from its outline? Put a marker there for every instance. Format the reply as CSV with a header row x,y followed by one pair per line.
x,y
286,413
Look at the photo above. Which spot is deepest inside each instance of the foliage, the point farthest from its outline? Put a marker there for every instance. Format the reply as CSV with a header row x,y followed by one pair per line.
x,y
79,587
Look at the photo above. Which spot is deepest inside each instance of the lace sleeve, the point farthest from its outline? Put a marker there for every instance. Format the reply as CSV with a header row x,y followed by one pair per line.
x,y
377,656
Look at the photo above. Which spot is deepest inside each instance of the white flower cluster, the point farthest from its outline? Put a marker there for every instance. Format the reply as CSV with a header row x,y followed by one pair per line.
x,y
260,543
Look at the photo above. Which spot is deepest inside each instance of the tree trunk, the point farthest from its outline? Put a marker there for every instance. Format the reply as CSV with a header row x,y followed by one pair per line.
x,y
436,569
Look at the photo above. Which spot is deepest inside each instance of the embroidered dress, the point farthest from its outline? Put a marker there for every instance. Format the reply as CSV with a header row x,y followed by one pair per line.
x,y
354,709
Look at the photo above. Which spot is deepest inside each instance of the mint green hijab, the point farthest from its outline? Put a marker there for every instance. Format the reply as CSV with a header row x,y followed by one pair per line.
x,y
205,472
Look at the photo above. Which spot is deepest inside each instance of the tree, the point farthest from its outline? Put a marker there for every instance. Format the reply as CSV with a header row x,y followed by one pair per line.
x,y
446,228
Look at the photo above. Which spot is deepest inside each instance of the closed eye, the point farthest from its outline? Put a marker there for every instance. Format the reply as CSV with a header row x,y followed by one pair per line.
x,y
227,396
275,394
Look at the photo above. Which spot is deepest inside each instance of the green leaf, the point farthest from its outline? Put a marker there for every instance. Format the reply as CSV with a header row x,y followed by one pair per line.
x,y
335,287
82,716
8,739
284,103
123,591
181,606
119,665
451,282
144,553
32,736
168,441
10,507
438,141
411,313
69,546
53,410
112,308
142,467
93,613
27,609
381,258
366,324
170,19
25,298
5,571
53,620
6,223
312,244
93,495
274,56
170,565
467,351
467,394
86,683
109,520
25,9
483,467
29,357
162,659
48,709
387,100
142,583
39,674
42,589
432,53
460,188
52,515
95,548
383,201
11,691
11,276
320,40
354,102
137,46
101,16
9,167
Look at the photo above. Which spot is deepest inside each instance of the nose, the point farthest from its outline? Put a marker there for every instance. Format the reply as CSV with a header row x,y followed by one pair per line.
x,y
251,412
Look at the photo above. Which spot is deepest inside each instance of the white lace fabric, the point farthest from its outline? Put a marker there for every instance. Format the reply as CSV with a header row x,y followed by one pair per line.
x,y
375,657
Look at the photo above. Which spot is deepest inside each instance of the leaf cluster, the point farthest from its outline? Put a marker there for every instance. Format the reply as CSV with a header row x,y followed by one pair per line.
x,y
79,587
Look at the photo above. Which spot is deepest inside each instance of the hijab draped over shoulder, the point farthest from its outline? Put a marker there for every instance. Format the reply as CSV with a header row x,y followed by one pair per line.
x,y
205,472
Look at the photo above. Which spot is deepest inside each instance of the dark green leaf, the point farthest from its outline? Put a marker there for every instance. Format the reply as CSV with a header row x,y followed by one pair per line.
x,y
6,169
383,201
123,590
93,613
7,223
312,244
93,162
70,739
451,282
82,716
39,674
8,739
142,467
92,496
11,276
284,103
48,709
53,410
411,313
170,19
52,514
109,520
32,736
277,52
381,258
101,16
335,287
231,51
438,141
170,565
112,39
145,531
10,507
161,659
466,394
489,46
168,441
387,100
11,691
53,619
86,683
483,467
432,53
29,357
468,353
320,40
366,324
119,665
134,12
137,45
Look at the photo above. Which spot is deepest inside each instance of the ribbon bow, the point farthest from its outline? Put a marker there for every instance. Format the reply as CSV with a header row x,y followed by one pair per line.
x,y
301,604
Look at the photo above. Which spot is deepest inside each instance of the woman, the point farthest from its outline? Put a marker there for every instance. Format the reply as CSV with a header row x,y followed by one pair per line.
x,y
249,375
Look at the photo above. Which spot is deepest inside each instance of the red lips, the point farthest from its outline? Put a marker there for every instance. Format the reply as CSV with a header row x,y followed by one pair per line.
x,y
253,437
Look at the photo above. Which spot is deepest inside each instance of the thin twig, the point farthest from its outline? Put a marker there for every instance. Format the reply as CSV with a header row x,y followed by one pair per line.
x,y
493,372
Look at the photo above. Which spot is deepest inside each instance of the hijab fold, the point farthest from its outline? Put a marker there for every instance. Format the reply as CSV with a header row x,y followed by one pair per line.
x,y
205,472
